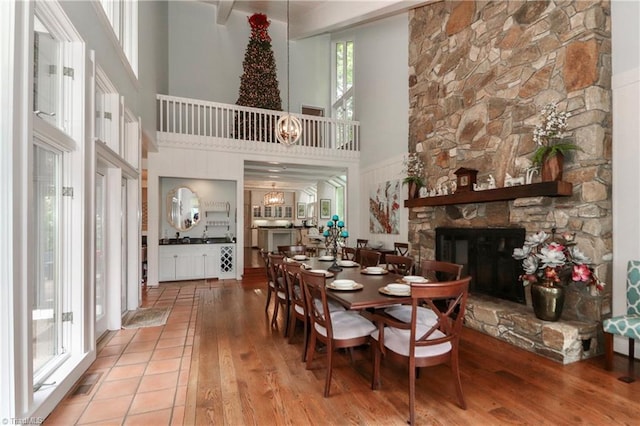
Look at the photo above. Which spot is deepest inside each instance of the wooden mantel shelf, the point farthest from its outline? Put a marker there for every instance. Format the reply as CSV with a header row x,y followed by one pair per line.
x,y
546,189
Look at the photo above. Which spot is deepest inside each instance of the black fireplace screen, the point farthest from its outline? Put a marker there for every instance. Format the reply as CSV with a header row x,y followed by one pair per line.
x,y
486,254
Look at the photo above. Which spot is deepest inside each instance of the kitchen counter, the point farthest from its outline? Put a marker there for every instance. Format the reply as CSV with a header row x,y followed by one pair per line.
x,y
270,238
186,240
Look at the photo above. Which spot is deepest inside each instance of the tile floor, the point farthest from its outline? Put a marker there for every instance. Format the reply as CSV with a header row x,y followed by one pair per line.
x,y
143,373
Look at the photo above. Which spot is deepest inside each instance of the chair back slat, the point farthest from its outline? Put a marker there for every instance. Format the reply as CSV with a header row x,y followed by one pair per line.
x,y
277,272
435,270
402,265
292,276
316,295
401,249
369,258
361,243
349,253
448,300
267,264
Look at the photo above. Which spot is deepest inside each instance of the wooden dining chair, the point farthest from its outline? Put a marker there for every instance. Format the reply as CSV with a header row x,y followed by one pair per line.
x,y
434,271
270,284
361,243
369,258
291,251
401,249
349,253
336,329
402,265
282,293
425,345
298,303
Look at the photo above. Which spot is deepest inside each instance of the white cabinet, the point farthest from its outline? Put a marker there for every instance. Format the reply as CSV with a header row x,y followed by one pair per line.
x,y
197,261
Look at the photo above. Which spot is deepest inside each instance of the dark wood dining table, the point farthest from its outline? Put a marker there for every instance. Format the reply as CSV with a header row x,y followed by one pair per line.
x,y
368,296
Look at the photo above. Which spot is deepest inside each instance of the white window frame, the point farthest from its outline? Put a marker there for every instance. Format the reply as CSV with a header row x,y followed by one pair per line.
x,y
120,17
70,143
107,112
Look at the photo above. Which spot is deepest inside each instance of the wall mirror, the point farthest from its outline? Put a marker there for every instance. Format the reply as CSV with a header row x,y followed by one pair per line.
x,y
183,208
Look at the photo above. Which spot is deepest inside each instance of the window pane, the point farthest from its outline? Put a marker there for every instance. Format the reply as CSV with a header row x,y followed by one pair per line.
x,y
46,64
349,65
339,69
348,106
46,302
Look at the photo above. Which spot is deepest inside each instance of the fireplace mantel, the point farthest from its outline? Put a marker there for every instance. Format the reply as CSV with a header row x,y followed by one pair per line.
x,y
546,189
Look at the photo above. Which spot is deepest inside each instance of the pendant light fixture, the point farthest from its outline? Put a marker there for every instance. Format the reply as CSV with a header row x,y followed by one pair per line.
x,y
273,198
288,128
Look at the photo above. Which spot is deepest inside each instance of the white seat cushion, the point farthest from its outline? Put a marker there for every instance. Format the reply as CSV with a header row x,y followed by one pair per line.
x,y
397,340
403,313
299,309
347,325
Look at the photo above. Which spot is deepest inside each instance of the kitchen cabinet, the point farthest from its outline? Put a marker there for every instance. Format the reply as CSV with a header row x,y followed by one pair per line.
x,y
196,261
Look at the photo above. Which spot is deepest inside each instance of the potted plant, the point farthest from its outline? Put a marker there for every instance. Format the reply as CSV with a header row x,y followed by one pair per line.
x,y
550,263
414,174
552,142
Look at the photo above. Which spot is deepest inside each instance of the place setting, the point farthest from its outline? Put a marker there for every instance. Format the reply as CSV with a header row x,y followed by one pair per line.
x,y
322,271
396,289
344,285
299,257
325,258
348,263
374,270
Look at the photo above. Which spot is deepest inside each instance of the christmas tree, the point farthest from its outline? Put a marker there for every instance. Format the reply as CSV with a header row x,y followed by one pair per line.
x,y
259,82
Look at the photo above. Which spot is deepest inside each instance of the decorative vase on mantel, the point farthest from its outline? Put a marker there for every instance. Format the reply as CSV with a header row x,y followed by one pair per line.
x,y
547,301
552,167
414,190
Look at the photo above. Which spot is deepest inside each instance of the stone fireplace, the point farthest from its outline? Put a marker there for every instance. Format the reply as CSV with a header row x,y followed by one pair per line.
x,y
479,75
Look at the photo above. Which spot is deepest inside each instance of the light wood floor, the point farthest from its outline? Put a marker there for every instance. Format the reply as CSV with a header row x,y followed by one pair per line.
x,y
236,370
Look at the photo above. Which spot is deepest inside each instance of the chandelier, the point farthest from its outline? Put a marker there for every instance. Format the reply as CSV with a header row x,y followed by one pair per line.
x,y
273,198
288,128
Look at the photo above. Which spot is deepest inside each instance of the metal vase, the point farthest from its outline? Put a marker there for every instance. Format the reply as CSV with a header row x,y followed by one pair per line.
x,y
547,301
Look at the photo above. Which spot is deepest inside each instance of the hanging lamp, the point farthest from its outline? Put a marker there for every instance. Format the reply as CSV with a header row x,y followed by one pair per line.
x,y
273,198
288,128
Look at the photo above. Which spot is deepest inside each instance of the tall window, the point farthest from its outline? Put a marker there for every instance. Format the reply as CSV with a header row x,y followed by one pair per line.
x,y
343,105
123,16
56,158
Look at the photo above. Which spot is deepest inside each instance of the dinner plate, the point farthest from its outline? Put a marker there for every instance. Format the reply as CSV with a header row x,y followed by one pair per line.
x,y
356,286
385,290
414,279
326,258
300,257
322,271
347,264
376,272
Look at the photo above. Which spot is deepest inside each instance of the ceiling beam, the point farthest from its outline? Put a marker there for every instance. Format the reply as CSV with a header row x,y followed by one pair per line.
x,y
224,10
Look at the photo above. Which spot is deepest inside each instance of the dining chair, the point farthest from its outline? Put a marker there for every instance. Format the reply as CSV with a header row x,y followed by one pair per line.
x,y
361,243
402,265
625,325
369,258
401,249
434,271
424,345
291,251
298,304
349,253
336,329
270,284
282,294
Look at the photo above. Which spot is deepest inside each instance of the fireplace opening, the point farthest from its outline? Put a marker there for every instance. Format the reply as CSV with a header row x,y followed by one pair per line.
x,y
486,255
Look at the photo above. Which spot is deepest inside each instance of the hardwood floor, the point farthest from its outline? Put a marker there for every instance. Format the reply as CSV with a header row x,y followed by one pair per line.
x,y
247,373
218,361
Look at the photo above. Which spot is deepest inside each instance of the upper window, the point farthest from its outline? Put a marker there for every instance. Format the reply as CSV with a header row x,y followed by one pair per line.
x,y
123,16
343,94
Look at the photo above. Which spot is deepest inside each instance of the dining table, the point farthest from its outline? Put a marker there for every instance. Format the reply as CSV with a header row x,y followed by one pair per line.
x,y
369,296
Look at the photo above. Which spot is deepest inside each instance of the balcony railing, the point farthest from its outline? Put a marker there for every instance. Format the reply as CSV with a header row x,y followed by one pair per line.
x,y
194,117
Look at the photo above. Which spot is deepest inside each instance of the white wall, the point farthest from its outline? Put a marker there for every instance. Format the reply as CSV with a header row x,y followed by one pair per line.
x,y
382,107
626,148
205,59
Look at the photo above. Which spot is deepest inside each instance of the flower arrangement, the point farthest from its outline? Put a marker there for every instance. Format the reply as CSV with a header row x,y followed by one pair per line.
x,y
550,134
414,169
555,261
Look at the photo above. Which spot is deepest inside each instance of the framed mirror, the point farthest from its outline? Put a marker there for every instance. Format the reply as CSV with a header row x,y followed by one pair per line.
x,y
183,208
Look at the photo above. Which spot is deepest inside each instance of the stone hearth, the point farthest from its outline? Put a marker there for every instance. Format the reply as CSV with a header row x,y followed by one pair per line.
x,y
565,341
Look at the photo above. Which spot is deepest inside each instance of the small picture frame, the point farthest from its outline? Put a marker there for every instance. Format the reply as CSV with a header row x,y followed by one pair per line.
x,y
302,210
325,209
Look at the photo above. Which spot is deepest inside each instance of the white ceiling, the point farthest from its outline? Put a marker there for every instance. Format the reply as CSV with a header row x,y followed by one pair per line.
x,y
286,176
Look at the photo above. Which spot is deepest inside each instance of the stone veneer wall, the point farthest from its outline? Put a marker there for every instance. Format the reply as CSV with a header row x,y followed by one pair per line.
x,y
479,75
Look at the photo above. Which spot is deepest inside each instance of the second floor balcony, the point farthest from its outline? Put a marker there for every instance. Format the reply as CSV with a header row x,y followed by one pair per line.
x,y
184,122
